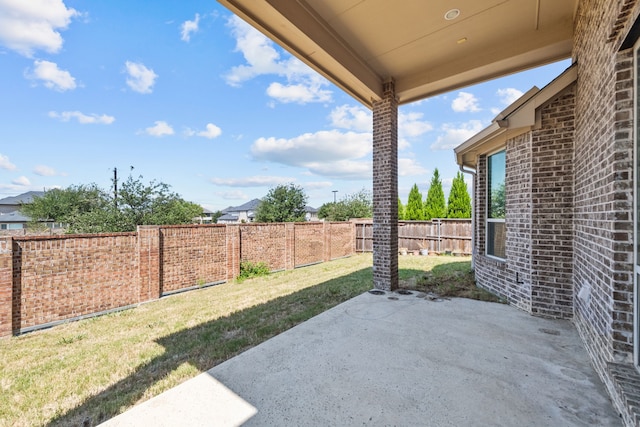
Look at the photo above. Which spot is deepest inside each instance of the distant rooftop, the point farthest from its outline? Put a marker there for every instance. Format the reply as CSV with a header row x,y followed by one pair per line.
x,y
21,198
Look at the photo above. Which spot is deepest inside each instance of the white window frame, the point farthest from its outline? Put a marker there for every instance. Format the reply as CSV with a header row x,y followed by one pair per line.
x,y
487,207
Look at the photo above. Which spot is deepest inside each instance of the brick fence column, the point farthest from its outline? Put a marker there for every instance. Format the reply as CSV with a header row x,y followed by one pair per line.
x,y
233,251
326,241
385,189
6,286
149,262
290,245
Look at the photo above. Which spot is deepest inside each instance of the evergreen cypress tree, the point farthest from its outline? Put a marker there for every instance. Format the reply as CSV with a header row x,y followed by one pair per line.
x,y
400,210
459,203
413,210
434,206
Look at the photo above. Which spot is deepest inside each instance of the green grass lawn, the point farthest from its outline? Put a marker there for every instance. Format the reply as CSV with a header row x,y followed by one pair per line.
x,y
82,373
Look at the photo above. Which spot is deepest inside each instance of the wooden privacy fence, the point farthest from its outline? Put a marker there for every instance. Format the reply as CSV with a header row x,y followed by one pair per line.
x,y
45,280
437,236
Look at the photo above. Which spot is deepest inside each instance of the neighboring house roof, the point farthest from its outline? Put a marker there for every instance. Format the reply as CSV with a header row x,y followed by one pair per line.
x,y
21,198
228,217
207,211
14,216
310,209
519,117
249,206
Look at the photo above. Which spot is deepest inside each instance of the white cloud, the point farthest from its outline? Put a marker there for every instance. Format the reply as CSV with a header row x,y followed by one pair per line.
x,y
211,131
409,167
189,27
322,146
343,169
317,185
44,170
356,118
160,128
252,181
232,195
52,77
26,26
465,102
508,95
303,85
82,118
298,93
140,78
411,125
454,135
22,181
6,164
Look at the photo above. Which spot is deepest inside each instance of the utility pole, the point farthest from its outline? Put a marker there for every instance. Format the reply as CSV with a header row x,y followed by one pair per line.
x,y
115,187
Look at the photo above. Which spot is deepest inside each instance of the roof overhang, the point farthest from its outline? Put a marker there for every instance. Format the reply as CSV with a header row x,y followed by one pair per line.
x,y
360,44
520,117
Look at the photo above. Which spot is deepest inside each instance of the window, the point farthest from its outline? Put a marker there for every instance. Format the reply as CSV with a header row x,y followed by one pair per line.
x,y
496,230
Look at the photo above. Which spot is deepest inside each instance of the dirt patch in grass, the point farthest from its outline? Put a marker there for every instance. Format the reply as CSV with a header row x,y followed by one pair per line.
x,y
449,280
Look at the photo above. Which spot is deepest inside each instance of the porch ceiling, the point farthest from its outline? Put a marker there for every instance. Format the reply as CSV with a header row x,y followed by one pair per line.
x,y
358,44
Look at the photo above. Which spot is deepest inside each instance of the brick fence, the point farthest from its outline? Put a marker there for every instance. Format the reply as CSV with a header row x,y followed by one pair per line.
x,y
45,280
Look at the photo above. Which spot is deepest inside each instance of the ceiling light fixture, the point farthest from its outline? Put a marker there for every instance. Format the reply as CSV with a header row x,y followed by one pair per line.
x,y
452,14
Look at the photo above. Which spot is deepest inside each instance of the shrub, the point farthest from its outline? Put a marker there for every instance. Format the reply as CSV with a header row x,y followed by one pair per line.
x,y
250,269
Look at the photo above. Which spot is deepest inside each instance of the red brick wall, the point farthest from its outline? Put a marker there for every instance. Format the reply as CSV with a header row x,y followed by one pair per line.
x,y
48,279
264,243
71,276
309,243
342,239
192,256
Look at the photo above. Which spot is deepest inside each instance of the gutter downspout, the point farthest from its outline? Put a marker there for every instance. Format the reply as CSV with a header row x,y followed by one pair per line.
x,y
472,172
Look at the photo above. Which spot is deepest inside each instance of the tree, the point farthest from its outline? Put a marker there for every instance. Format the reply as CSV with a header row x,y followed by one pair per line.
x,y
89,209
356,205
284,203
154,204
459,203
400,210
435,206
414,210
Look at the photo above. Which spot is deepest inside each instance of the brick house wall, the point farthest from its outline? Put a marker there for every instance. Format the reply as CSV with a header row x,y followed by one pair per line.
x,y
603,163
536,275
552,213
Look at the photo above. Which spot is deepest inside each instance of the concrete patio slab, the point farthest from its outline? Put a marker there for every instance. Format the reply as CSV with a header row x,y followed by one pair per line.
x,y
397,360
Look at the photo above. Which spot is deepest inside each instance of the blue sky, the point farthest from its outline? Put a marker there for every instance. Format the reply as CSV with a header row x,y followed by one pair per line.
x,y
190,95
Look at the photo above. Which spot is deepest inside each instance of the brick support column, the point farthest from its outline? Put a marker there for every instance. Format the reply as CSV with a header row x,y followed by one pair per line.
x,y
385,190
149,261
233,251
6,286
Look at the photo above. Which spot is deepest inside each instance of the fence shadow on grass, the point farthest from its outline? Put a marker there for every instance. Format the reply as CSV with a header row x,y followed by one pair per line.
x,y
211,343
